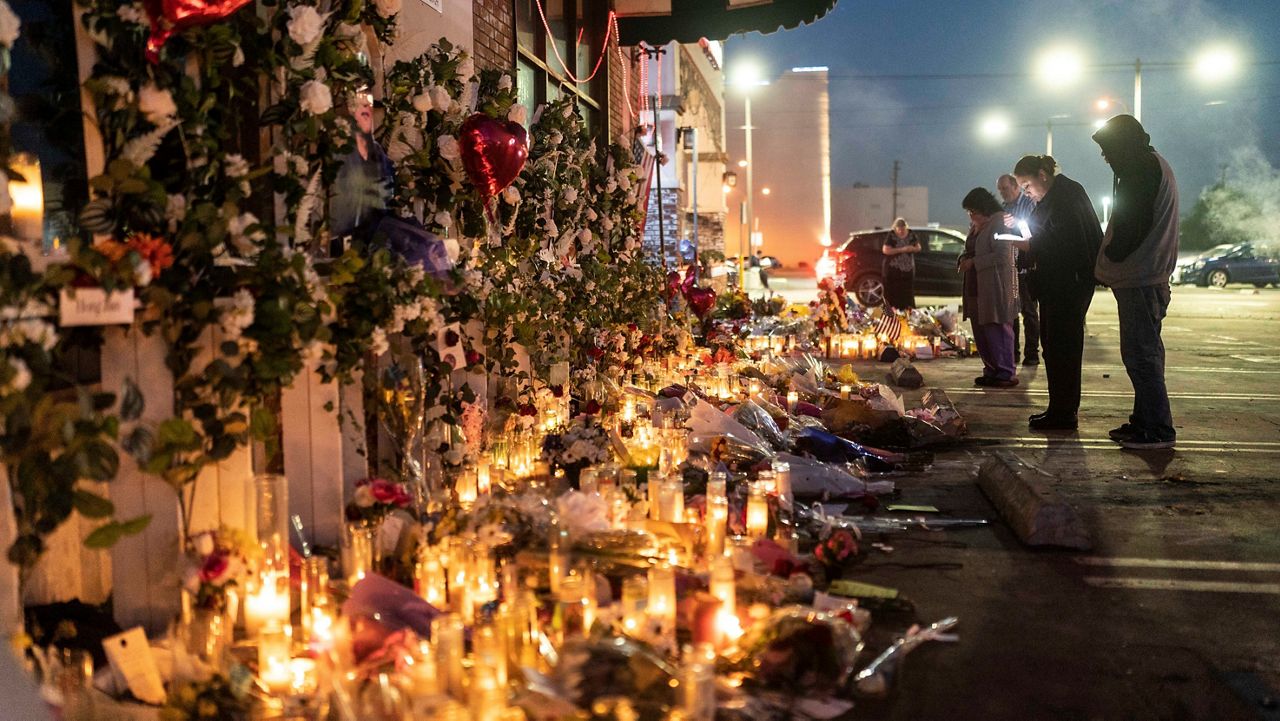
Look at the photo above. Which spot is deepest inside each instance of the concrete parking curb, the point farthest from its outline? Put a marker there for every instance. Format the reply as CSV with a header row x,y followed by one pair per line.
x,y
1024,496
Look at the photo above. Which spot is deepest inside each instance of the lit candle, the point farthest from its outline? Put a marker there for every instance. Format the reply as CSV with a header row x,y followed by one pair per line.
x,y
27,194
793,399
302,676
320,629
716,522
846,391
628,414
430,579
722,584
483,479
662,594
757,512
782,481
589,480
754,387
869,345
268,603
671,500
273,658
466,487
420,668
490,651
635,597
447,633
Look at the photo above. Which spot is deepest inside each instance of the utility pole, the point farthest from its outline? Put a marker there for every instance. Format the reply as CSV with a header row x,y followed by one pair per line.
x,y
691,137
897,165
651,54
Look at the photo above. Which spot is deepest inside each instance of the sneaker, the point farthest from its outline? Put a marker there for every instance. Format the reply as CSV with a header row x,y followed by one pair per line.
x,y
1125,431
1144,442
983,381
1002,382
1031,361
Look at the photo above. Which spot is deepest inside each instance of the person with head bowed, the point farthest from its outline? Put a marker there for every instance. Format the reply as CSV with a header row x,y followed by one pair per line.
x,y
1139,252
1017,204
899,271
990,288
1063,247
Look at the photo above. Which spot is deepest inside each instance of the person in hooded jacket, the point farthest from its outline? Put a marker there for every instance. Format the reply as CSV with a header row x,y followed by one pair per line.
x,y
1139,251
1063,248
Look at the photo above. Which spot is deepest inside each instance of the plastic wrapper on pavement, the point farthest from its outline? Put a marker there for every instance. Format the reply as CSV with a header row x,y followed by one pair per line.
x,y
754,417
801,651
935,420
815,479
833,449
878,678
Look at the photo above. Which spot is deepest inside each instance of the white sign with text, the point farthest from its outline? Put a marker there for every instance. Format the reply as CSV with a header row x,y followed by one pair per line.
x,y
95,306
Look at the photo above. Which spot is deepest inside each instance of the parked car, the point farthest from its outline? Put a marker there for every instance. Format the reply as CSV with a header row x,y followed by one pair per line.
x,y
1224,264
862,263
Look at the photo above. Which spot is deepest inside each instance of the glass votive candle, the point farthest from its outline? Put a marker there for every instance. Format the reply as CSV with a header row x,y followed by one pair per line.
x,y
671,500
757,512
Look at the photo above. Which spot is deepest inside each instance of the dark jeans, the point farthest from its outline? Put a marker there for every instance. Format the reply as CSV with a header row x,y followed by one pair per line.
x,y
1141,312
1062,312
1030,311
995,346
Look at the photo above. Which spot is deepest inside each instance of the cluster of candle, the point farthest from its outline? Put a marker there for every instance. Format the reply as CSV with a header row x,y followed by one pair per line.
x,y
515,456
476,481
457,576
854,345
771,343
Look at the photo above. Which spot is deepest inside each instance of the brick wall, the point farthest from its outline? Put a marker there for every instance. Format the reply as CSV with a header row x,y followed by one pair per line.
x,y
671,225
495,34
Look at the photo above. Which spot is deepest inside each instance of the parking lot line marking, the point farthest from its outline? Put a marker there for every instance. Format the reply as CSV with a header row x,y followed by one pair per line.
x,y
1129,394
1170,584
1067,444
1201,565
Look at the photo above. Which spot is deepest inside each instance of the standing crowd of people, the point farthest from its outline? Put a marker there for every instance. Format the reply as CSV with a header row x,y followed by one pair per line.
x,y
1040,251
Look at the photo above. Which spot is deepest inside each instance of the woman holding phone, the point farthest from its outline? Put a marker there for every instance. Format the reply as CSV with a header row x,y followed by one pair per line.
x,y
1064,242
990,288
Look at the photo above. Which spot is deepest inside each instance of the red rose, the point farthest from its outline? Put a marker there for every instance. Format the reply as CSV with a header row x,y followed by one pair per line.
x,y
474,357
383,491
528,410
215,564
592,407
557,391
451,338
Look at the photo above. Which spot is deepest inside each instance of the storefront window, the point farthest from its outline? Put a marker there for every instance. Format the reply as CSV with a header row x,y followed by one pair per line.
x,y
577,30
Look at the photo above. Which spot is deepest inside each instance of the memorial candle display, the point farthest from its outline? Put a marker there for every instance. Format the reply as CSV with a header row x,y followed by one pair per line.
x,y
662,593
267,602
757,512
273,657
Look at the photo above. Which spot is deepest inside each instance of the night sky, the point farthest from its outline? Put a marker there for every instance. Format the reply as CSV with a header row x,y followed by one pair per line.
x,y
931,124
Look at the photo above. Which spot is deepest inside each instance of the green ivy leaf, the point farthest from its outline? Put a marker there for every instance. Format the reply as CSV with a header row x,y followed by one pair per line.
x,y
91,505
106,535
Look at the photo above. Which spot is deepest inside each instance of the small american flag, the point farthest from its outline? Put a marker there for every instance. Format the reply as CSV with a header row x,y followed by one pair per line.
x,y
644,156
889,326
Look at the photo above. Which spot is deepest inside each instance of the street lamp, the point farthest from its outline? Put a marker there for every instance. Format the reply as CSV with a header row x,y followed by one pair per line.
x,y
746,79
994,127
1059,67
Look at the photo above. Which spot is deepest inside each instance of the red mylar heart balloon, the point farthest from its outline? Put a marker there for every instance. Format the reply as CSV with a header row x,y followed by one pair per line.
x,y
690,277
173,16
702,300
493,152
674,285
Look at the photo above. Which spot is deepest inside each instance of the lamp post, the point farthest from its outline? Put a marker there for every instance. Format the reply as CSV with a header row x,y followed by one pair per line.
x,y
746,79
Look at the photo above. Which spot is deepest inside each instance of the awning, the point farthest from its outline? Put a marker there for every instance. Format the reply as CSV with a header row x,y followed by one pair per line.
x,y
686,21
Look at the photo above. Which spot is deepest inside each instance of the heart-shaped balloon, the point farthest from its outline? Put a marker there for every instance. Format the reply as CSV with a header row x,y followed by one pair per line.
x,y
173,16
493,152
674,285
690,277
701,300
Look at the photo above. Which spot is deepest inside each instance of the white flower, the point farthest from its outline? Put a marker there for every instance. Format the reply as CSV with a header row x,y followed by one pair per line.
x,y
156,104
305,24
570,195
10,25
387,8
132,13
237,58
204,544
316,97
443,219
492,535
363,497
504,82
378,342
21,376
511,195
422,102
518,114
583,513
584,236
141,272
448,146
241,237
236,166
439,98
466,68
235,319
624,182
591,215
175,208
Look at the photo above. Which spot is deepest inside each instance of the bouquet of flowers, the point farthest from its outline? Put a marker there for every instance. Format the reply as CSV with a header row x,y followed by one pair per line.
x,y
375,498
217,562
837,550
582,444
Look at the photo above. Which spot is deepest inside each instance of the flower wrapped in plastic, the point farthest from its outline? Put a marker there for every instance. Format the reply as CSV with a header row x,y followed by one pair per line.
x,y
801,651
598,670
756,419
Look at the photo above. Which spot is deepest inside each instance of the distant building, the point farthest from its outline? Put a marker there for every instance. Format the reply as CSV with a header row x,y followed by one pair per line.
x,y
862,207
792,176
692,95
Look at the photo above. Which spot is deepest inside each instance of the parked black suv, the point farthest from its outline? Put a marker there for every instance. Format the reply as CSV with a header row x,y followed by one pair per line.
x,y
862,262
